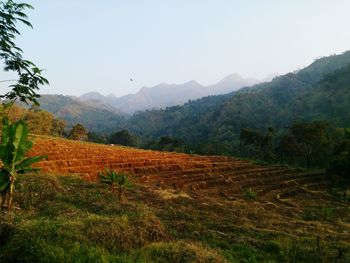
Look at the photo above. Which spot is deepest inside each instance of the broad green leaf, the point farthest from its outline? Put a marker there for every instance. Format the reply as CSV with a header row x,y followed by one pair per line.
x,y
27,162
20,141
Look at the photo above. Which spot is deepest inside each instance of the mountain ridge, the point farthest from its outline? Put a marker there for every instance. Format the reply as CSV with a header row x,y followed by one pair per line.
x,y
167,95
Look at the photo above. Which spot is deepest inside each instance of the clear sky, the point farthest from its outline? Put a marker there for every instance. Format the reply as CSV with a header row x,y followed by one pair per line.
x,y
98,45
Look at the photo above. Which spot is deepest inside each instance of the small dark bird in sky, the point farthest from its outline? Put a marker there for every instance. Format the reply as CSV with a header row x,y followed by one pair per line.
x,y
131,80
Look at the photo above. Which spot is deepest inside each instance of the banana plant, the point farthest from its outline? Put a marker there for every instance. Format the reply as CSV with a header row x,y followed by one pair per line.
x,y
14,144
118,182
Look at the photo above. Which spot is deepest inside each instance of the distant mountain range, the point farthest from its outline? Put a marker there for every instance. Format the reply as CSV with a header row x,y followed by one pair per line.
x,y
166,95
101,113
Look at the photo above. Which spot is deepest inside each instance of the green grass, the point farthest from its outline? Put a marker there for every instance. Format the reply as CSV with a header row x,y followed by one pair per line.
x,y
65,219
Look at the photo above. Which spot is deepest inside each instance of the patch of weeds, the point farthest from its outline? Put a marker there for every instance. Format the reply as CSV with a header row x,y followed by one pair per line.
x,y
328,213
242,253
250,194
35,190
310,215
324,213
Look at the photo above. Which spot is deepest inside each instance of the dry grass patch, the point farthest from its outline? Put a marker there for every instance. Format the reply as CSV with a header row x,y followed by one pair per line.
x,y
181,252
168,194
123,233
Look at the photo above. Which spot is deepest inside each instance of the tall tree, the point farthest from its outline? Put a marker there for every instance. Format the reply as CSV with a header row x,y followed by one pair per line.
x,y
58,127
308,141
123,137
39,122
29,75
78,132
339,168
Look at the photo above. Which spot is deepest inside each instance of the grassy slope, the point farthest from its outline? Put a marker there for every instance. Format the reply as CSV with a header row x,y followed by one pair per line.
x,y
65,219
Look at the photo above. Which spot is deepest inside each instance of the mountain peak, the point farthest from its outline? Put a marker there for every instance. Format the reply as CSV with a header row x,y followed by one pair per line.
x,y
91,96
192,82
234,77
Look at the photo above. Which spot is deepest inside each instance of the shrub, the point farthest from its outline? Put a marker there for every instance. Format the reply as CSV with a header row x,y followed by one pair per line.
x,y
118,182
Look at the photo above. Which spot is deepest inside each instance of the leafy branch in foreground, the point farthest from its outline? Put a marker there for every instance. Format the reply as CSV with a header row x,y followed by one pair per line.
x,y
14,145
118,182
29,75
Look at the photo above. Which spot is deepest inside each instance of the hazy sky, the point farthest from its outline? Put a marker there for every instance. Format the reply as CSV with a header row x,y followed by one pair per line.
x,y
98,45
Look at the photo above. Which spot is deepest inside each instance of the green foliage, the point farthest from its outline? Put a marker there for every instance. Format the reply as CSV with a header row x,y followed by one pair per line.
x,y
167,143
250,194
36,190
14,145
212,125
97,138
58,127
118,182
71,220
28,73
123,137
78,132
39,121
308,141
96,118
339,168
261,144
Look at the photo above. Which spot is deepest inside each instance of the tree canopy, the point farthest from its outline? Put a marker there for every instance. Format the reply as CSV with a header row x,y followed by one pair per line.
x,y
29,75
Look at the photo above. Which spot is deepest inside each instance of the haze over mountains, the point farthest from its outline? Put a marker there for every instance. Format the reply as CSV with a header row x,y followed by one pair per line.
x,y
165,95
306,94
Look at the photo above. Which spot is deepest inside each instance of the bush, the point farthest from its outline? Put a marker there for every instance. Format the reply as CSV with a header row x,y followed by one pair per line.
x,y
118,182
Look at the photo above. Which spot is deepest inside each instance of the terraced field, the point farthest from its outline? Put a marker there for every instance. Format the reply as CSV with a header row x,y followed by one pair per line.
x,y
205,198
193,174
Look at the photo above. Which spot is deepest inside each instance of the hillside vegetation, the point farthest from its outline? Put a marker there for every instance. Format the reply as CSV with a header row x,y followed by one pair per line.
x,y
94,115
213,124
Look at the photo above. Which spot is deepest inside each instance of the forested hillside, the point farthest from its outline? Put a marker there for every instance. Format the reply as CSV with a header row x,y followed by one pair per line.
x,y
213,124
95,116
